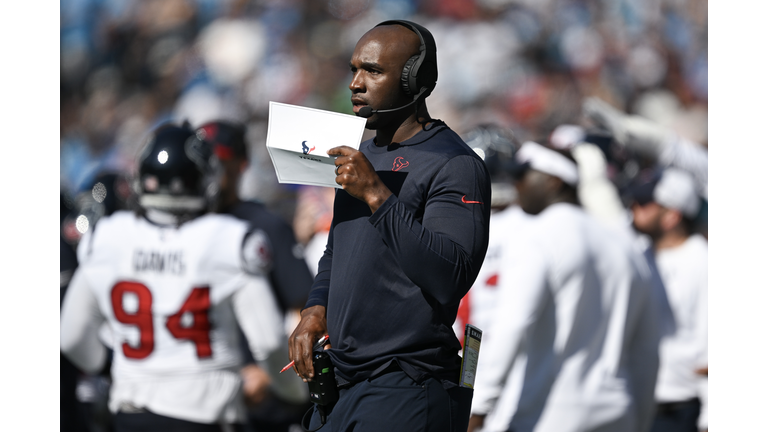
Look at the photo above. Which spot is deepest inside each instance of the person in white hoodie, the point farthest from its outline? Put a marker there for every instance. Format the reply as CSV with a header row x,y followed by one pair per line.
x,y
578,302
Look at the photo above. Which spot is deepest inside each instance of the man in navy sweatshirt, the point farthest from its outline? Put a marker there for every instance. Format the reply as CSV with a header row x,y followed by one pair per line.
x,y
408,237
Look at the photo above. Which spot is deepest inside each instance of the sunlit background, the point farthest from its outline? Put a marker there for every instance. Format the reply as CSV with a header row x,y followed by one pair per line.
x,y
128,65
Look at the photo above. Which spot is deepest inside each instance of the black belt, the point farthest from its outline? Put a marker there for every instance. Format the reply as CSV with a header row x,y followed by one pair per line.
x,y
393,367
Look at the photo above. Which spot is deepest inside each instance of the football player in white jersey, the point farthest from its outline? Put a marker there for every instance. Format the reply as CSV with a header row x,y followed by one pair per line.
x,y
497,146
173,282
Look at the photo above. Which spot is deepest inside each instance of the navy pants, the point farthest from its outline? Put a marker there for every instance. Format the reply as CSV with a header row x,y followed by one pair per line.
x,y
677,417
150,422
394,402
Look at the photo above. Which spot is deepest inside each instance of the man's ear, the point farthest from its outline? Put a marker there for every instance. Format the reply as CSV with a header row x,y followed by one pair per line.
x,y
670,219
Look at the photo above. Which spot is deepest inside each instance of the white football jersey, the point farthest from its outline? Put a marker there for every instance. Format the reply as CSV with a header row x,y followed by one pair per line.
x,y
170,298
507,231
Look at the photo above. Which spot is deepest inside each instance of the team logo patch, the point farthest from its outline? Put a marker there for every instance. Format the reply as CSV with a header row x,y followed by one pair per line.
x,y
399,163
257,253
305,148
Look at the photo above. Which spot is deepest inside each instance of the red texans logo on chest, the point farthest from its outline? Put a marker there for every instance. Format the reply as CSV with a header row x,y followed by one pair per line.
x,y
399,163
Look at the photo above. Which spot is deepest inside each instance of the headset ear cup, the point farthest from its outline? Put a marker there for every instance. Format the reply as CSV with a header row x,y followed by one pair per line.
x,y
406,82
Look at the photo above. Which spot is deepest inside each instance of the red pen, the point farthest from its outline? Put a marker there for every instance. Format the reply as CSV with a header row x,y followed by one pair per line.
x,y
319,344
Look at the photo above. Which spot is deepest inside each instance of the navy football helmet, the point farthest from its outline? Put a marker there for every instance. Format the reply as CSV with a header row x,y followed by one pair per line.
x,y
177,172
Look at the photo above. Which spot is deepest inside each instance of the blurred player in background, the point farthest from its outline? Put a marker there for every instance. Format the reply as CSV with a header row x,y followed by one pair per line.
x,y
108,192
174,284
497,147
648,139
85,396
72,415
289,276
661,146
576,299
664,209
312,221
665,201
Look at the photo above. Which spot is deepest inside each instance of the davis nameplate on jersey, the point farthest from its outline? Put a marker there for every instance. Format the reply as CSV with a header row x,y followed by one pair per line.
x,y
158,261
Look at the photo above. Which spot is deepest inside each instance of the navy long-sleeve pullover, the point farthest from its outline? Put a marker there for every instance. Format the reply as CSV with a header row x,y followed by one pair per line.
x,y
391,281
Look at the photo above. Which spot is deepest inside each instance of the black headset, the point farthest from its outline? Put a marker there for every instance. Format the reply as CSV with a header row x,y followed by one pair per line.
x,y
419,75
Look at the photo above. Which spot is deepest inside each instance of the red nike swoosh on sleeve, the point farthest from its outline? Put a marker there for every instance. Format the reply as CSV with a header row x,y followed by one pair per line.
x,y
464,200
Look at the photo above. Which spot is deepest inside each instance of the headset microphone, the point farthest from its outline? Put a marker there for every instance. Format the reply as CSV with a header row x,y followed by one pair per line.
x,y
368,111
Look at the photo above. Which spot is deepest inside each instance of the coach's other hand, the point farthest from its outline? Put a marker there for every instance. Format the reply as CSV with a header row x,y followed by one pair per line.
x,y
312,327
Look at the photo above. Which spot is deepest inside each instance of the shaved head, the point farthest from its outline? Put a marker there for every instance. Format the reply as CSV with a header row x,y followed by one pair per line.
x,y
398,42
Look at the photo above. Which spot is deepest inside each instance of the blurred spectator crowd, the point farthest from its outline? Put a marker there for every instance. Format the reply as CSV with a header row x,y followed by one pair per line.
x,y
127,66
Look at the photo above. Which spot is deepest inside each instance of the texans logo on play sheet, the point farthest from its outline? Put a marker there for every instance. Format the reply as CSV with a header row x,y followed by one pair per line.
x,y
305,148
